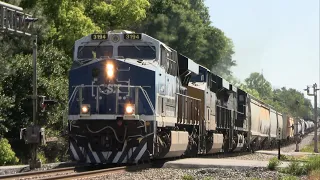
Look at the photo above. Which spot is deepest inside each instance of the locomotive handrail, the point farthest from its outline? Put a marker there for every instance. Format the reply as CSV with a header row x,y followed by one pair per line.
x,y
188,96
224,107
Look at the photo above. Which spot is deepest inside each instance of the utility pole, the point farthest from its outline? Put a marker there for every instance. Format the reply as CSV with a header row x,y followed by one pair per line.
x,y
314,86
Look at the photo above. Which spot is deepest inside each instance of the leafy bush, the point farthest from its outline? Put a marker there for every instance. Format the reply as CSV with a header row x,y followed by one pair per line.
x,y
42,157
7,156
273,163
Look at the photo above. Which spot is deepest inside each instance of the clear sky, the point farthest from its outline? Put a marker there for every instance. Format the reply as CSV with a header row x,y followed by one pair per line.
x,y
280,37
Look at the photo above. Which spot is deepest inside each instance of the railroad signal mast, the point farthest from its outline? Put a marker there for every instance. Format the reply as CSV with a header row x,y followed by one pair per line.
x,y
14,21
315,90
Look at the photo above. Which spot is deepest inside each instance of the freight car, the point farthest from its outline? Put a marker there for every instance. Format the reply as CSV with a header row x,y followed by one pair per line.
x,y
133,98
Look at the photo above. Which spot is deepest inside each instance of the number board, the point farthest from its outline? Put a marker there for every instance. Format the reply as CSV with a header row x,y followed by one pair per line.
x,y
99,36
132,36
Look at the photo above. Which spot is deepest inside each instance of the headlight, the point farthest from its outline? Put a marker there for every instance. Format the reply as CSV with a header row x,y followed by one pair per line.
x,y
129,109
110,70
85,109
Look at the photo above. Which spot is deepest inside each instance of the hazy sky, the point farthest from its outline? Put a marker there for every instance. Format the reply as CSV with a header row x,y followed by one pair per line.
x,y
279,36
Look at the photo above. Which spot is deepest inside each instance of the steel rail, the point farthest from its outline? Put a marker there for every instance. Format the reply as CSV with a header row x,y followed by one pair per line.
x,y
100,172
38,173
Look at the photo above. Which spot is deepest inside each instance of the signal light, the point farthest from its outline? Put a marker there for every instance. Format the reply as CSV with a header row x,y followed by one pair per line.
x,y
45,103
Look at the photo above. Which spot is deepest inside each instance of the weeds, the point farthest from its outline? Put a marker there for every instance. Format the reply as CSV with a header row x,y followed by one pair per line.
x,y
273,163
289,177
188,177
283,157
295,168
314,175
298,169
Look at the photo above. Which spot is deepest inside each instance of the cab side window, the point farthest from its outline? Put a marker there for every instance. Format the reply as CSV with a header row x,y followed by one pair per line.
x,y
163,60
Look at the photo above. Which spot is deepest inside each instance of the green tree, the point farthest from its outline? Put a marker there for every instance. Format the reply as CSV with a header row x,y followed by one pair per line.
x,y
52,68
185,26
257,82
70,20
252,92
289,101
289,98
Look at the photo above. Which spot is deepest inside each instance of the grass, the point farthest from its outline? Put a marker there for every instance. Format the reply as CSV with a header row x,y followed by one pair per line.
x,y
309,148
301,165
310,167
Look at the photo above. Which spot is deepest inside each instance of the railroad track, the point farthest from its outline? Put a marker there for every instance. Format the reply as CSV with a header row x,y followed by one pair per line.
x,y
72,173
37,174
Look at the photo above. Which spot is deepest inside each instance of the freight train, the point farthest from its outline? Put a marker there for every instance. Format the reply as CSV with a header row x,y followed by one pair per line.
x,y
133,98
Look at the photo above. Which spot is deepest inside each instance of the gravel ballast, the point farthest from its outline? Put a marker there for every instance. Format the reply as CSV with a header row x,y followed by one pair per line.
x,y
211,173
189,174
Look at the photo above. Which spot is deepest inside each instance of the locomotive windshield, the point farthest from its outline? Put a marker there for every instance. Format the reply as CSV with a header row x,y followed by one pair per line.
x,y
90,52
137,52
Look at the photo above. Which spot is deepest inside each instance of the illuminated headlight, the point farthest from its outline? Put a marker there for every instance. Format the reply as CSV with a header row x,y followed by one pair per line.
x,y
110,70
85,109
129,109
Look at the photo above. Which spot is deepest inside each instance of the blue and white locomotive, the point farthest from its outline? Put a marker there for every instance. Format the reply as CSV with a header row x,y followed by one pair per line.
x,y
133,98
123,89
